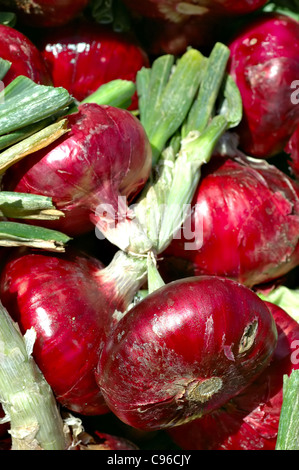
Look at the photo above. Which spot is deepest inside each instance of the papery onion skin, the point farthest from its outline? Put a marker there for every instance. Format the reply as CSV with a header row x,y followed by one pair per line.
x,y
292,149
185,350
106,154
24,56
84,55
62,297
264,64
250,420
45,13
245,219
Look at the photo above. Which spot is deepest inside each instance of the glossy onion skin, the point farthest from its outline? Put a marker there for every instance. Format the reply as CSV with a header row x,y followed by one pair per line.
x,y
188,331
45,13
292,149
24,56
264,64
247,214
105,154
171,10
250,420
63,300
83,55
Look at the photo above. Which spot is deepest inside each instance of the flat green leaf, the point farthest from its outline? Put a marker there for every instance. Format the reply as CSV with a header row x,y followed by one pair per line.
x,y
288,430
24,102
20,134
4,68
285,298
117,93
166,93
27,206
31,144
8,18
17,234
231,105
213,74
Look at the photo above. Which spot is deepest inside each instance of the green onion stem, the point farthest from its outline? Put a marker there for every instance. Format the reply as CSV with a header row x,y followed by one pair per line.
x,y
288,431
26,397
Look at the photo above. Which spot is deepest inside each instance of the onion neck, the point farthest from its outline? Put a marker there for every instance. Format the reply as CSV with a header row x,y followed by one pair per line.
x,y
117,93
121,280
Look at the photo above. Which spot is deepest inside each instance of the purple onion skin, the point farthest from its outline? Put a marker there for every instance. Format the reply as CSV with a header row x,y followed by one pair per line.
x,y
24,56
250,420
184,351
246,213
83,55
264,64
172,10
292,149
165,37
103,441
45,13
106,154
64,298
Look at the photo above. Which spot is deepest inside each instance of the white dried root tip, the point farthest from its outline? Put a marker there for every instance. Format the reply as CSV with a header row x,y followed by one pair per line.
x,y
23,438
72,429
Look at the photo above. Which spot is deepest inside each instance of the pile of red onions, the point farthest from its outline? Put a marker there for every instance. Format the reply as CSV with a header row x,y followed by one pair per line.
x,y
203,356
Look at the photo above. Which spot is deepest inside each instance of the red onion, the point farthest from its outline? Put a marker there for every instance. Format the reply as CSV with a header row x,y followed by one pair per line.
x,y
104,441
24,57
184,350
292,148
45,13
106,154
69,300
264,64
244,222
84,55
176,10
160,36
250,420
3,426
50,293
